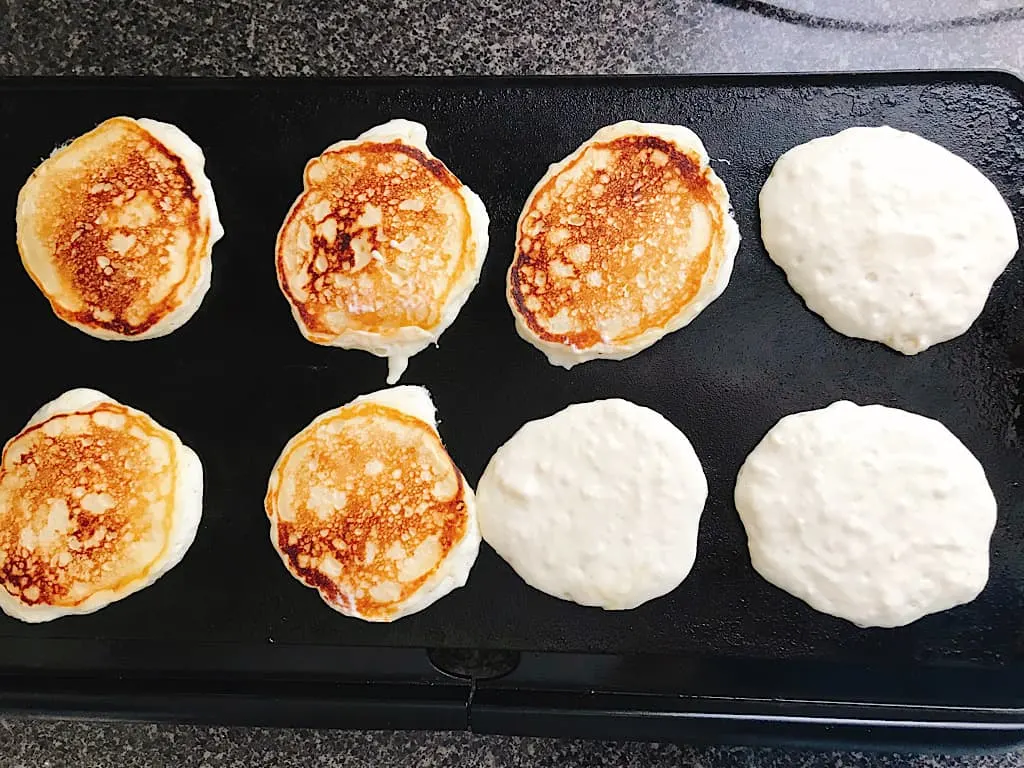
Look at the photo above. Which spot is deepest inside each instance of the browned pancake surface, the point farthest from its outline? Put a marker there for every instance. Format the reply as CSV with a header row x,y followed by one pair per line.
x,y
376,242
367,505
609,247
122,227
85,505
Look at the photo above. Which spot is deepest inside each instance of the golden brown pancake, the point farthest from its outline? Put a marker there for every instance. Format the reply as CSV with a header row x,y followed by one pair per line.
x,y
627,239
116,229
383,247
96,502
367,508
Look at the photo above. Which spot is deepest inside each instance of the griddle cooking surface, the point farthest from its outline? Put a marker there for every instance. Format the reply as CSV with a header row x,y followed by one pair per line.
x,y
238,380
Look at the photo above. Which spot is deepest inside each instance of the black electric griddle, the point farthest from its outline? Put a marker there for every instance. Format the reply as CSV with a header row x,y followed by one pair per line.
x,y
228,636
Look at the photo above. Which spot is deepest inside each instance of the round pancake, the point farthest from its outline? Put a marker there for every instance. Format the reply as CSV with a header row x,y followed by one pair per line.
x,y
116,229
886,235
367,508
383,246
624,241
97,501
872,514
599,504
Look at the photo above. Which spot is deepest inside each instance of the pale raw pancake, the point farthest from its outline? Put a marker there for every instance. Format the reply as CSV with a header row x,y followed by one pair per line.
x,y
626,240
367,508
116,228
97,501
887,236
872,514
383,246
599,504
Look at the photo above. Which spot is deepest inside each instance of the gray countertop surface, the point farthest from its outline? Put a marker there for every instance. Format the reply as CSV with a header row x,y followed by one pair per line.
x,y
318,37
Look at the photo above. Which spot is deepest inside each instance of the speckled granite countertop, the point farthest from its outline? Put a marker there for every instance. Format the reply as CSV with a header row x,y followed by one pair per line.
x,y
306,37
246,37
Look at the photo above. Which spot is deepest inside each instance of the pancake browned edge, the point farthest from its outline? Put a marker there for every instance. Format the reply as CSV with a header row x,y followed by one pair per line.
x,y
366,507
383,246
97,501
116,229
624,241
